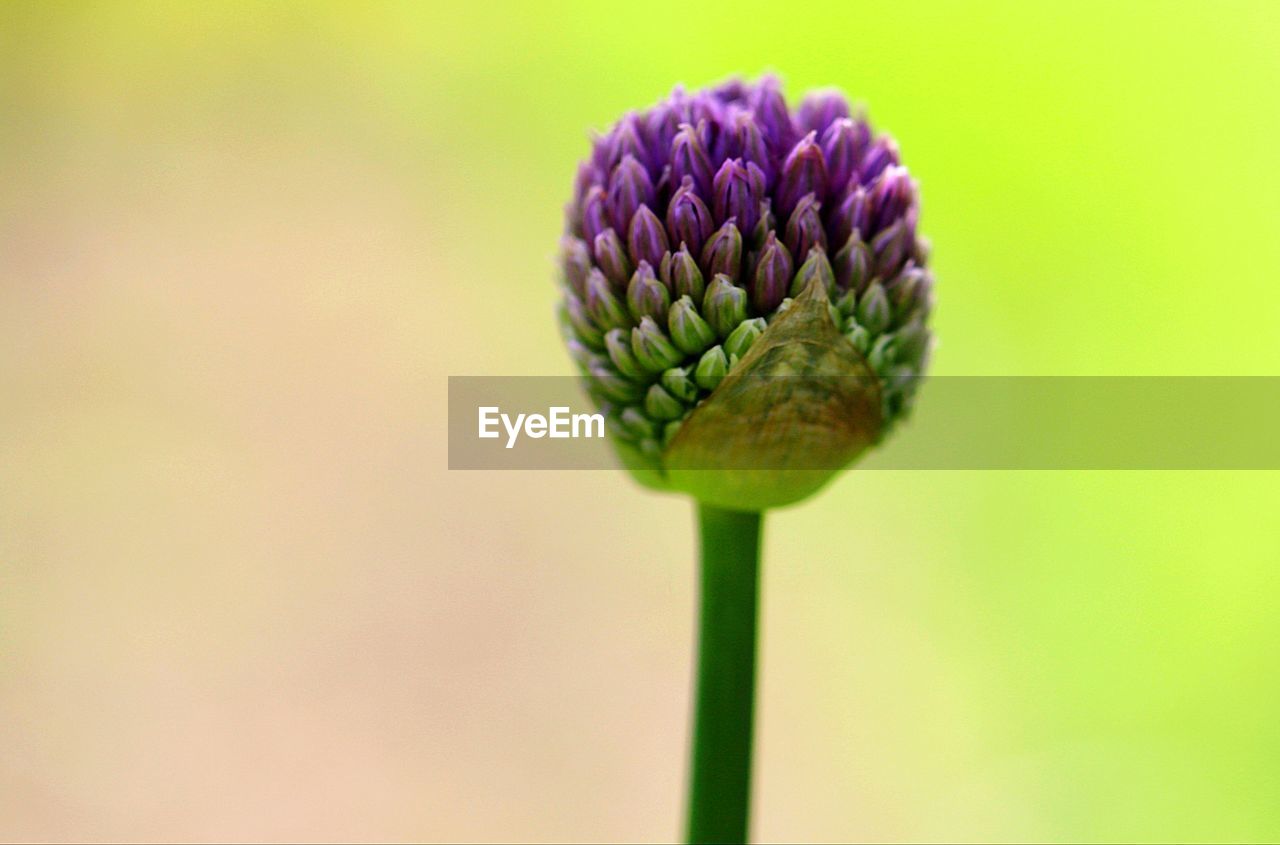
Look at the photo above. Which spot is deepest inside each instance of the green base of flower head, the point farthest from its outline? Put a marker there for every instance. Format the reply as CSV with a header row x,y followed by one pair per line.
x,y
698,427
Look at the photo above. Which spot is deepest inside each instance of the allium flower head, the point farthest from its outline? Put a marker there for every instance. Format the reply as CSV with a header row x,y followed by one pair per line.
x,y
695,228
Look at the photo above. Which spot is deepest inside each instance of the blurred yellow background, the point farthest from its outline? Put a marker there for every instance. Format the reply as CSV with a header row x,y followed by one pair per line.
x,y
242,246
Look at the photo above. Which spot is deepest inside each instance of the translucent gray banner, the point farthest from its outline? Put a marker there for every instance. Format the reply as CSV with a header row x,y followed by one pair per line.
x,y
960,422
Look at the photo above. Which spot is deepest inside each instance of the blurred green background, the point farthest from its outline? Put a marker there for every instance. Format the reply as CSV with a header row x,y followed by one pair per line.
x,y
241,247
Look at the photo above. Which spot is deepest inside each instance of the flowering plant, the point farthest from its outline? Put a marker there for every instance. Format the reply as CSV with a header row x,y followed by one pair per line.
x,y
746,296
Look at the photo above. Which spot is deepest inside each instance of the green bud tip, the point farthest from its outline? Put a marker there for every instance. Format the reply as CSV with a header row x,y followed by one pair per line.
x,y
651,347
689,331
741,338
873,310
661,405
712,367
618,344
725,305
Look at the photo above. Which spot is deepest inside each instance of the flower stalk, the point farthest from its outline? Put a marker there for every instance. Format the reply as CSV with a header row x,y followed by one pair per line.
x,y
724,697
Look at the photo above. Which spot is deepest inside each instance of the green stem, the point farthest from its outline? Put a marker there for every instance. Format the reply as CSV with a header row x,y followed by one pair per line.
x,y
720,776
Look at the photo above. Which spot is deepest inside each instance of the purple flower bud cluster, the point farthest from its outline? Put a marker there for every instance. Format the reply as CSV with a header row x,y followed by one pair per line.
x,y
683,172
726,190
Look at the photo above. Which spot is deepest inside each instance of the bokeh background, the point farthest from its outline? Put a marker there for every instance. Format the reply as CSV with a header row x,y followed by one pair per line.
x,y
242,245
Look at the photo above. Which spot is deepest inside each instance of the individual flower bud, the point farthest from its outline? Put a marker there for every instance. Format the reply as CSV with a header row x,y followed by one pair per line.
x,y
918,305
637,424
881,354
625,141
617,343
852,265
659,128
646,239
678,381
873,311
845,304
688,330
912,344
646,296
820,109
731,90
629,188
661,405
859,337
770,111
600,152
582,323
815,266
853,215
805,229
765,224
804,172
708,123
575,260
741,338
901,290
753,148
564,322
689,158
921,250
890,248
612,258
900,383
611,384
724,306
588,176
613,421
595,213
651,447
712,367
890,196
844,143
670,430
688,219
685,277
772,276
579,351
603,306
737,190
882,153
652,349
723,253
